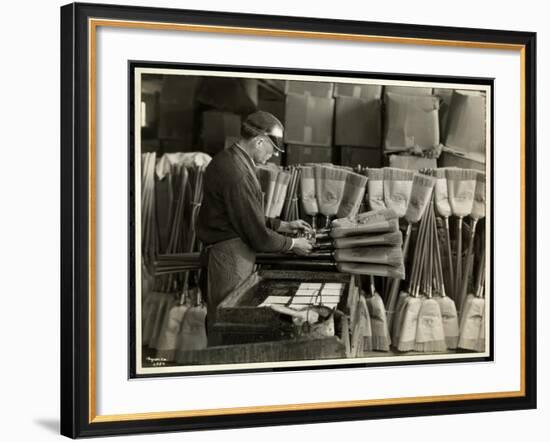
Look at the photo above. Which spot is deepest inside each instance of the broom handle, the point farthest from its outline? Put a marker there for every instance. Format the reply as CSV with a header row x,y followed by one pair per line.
x,y
481,273
469,261
451,276
458,275
439,273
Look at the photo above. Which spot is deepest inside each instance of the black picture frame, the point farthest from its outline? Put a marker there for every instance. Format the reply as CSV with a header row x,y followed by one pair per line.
x,y
78,417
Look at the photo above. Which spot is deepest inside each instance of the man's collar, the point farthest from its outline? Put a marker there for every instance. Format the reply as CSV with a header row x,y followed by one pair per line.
x,y
246,154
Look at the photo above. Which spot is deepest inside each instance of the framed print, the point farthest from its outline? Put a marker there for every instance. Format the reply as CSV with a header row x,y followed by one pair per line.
x,y
255,203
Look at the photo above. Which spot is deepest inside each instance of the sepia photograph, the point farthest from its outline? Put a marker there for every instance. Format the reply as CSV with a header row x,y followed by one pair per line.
x,y
288,221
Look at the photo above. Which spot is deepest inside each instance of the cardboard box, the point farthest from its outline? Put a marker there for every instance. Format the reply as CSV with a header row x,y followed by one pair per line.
x,y
446,96
308,154
216,127
411,121
364,91
308,120
321,89
365,156
466,122
274,107
358,122
408,90
412,162
175,122
450,158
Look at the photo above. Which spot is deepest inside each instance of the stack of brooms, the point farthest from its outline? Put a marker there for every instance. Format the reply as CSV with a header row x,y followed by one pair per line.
x,y
426,319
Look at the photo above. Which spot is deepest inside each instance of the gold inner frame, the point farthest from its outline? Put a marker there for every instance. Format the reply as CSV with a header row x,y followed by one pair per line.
x,y
93,24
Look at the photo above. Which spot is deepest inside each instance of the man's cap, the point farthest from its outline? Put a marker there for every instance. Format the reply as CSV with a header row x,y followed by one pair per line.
x,y
264,123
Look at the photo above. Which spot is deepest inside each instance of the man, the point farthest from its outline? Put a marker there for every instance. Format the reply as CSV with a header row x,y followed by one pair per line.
x,y
231,220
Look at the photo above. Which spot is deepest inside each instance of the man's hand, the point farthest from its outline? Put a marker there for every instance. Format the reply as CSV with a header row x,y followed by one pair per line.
x,y
295,226
302,247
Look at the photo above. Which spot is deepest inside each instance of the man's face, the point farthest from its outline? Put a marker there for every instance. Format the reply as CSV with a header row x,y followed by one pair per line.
x,y
264,150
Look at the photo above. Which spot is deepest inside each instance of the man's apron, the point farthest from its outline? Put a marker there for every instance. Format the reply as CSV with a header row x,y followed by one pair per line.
x,y
230,263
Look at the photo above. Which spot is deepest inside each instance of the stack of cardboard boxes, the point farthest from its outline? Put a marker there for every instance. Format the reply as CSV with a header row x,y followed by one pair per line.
x,y
358,124
176,113
309,113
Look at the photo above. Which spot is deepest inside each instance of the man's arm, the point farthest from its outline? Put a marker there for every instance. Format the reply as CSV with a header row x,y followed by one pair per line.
x,y
248,220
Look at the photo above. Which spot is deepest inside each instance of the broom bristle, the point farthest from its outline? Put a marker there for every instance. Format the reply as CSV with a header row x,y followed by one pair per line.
x,y
395,174
375,174
461,174
450,320
421,180
480,177
439,173
395,257
431,346
334,174
385,214
407,336
307,172
356,180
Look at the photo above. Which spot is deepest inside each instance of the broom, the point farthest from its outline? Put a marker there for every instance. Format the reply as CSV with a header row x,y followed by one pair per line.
x,y
267,176
354,191
446,305
397,189
361,335
329,190
373,216
307,192
350,230
375,187
391,256
421,194
478,212
471,319
430,335
389,239
386,271
444,210
278,199
461,184
171,328
381,340
409,304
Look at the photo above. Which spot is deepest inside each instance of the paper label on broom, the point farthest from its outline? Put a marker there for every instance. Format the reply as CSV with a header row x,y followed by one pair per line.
x,y
356,91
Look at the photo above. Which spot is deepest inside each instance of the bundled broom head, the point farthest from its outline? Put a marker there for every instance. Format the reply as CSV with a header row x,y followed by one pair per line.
x,y
407,330
391,256
398,315
354,191
430,336
441,193
365,218
278,199
470,323
388,239
381,340
420,196
329,188
307,190
391,225
461,184
480,346
267,177
478,208
449,317
375,186
397,189
355,268
168,341
361,336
